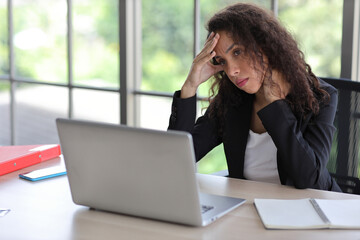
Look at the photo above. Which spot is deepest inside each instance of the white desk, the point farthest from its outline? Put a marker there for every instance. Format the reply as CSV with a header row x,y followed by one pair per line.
x,y
44,210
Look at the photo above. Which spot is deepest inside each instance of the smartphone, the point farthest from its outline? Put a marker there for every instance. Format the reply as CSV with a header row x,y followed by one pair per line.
x,y
44,173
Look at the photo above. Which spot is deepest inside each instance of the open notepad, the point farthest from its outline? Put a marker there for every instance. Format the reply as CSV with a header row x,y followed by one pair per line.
x,y
309,213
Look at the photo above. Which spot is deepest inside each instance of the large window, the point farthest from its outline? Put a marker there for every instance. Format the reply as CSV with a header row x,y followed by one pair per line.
x,y
120,61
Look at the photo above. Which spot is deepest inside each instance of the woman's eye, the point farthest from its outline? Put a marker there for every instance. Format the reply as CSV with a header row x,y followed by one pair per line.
x,y
237,52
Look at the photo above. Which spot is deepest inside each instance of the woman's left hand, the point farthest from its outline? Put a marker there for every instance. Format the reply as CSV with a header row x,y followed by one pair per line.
x,y
276,89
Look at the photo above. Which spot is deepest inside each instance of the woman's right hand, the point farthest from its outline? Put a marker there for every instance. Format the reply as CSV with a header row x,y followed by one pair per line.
x,y
202,68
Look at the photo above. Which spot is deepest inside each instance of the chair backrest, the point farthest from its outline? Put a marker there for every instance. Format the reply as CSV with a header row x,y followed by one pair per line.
x,y
345,153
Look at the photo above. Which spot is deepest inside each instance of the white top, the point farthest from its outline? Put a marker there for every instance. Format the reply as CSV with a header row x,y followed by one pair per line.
x,y
260,158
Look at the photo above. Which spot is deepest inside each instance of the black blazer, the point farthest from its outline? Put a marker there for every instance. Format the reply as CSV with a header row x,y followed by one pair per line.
x,y
303,145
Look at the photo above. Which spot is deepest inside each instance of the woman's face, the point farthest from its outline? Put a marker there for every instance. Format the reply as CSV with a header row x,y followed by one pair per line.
x,y
238,67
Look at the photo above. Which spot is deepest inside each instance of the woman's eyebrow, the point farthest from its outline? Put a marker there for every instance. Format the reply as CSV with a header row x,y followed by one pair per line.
x,y
229,48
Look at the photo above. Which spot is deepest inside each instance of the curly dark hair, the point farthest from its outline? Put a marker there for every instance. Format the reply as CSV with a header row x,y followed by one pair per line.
x,y
261,34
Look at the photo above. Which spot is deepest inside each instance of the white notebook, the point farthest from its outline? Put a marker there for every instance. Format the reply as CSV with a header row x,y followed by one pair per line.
x,y
309,213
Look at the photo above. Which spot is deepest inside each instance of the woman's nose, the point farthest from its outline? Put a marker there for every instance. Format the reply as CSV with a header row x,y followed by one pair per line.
x,y
233,69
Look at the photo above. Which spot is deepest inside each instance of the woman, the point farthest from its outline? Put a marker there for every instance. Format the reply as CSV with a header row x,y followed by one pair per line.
x,y
273,116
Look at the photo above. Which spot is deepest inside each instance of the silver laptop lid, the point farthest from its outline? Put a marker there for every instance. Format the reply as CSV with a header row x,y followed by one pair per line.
x,y
134,171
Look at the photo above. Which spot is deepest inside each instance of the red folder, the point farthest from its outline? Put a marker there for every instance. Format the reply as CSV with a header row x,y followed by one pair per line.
x,y
13,158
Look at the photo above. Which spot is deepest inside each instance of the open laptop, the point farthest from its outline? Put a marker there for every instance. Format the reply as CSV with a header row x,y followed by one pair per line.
x,y
139,172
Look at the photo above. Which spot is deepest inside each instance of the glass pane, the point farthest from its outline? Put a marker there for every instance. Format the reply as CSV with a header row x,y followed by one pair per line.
x,y
36,109
167,43
4,52
40,40
96,105
321,43
213,162
96,48
5,128
154,117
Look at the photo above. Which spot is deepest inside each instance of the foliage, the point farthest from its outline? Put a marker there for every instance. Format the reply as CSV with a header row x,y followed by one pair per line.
x,y
167,28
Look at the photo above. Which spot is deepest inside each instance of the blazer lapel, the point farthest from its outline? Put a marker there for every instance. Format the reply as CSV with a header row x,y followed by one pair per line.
x,y
237,125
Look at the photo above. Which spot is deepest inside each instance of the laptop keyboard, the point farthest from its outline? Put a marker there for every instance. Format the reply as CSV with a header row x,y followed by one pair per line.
x,y
205,208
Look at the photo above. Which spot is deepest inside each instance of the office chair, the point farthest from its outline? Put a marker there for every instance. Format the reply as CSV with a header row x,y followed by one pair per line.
x,y
345,153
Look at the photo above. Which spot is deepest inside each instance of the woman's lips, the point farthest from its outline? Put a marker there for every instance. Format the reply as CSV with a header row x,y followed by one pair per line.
x,y
241,82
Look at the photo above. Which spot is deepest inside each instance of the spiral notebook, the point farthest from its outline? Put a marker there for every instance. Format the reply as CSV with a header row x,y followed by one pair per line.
x,y
309,213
